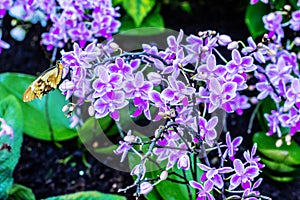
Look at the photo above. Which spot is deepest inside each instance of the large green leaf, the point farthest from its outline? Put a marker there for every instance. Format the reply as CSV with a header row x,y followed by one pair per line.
x,y
138,9
286,154
11,112
36,122
20,192
253,18
88,195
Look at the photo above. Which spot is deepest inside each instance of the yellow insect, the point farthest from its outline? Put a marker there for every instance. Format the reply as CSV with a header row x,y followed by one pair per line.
x,y
44,83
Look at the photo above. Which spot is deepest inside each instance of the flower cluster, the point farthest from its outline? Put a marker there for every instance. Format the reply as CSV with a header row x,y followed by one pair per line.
x,y
75,20
183,83
278,73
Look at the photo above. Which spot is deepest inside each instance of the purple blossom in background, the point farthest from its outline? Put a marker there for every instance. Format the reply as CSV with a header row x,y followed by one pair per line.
x,y
4,6
5,129
295,21
266,89
205,189
258,53
239,103
221,94
232,146
291,120
279,71
273,122
213,174
272,23
243,176
293,94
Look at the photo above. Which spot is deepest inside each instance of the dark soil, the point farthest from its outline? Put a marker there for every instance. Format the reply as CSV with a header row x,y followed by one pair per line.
x,y
40,167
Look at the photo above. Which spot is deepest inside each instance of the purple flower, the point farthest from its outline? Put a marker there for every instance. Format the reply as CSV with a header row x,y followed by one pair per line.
x,y
258,53
249,192
291,120
210,69
251,159
221,94
295,21
293,95
177,91
204,189
266,89
272,23
279,71
240,65
207,129
4,6
80,33
213,174
239,103
121,67
123,148
243,175
273,122
106,82
110,103
6,129
232,146
137,87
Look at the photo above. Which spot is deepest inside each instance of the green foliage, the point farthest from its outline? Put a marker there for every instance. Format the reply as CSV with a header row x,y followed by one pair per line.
x,y
138,9
20,192
294,3
11,112
88,195
253,18
153,19
265,106
35,117
282,163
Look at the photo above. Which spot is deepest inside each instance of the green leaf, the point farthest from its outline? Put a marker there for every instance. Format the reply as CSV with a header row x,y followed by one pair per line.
x,y
253,18
286,154
11,112
138,9
294,3
280,177
20,192
88,195
152,25
278,166
265,106
35,118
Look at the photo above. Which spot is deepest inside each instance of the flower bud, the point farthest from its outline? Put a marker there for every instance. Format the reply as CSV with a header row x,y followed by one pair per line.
x,y
91,110
129,138
224,40
278,143
164,175
233,45
65,108
146,187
